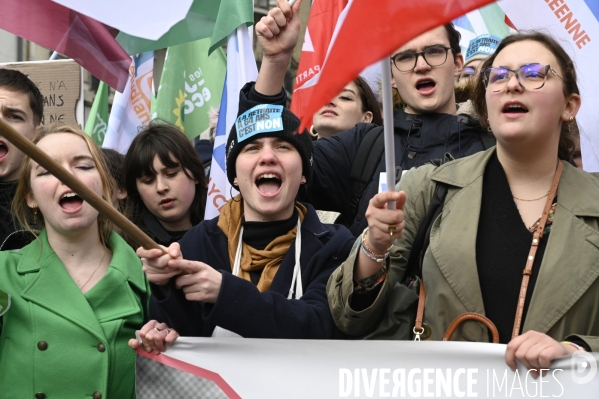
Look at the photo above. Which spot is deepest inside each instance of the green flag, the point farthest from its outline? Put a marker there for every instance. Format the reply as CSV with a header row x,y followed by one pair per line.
x,y
191,84
215,19
97,122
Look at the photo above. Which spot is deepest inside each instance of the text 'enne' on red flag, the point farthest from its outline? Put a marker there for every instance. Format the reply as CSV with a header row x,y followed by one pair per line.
x,y
75,35
319,31
372,30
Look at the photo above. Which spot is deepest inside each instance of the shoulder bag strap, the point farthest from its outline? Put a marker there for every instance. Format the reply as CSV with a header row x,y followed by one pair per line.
x,y
536,239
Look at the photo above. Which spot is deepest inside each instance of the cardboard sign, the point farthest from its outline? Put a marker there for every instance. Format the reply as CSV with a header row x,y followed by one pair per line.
x,y
61,84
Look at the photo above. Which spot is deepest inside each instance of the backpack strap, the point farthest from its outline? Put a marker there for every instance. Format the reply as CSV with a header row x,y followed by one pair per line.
x,y
365,164
423,236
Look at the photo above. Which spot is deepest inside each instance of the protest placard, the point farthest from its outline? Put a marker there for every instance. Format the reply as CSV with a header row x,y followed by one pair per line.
x,y
61,84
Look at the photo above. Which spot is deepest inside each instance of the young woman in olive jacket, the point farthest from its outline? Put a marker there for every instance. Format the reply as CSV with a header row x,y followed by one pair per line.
x,y
480,244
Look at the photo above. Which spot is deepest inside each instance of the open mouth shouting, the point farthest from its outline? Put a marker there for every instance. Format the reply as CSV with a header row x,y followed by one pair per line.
x,y
426,86
269,184
71,202
3,150
513,109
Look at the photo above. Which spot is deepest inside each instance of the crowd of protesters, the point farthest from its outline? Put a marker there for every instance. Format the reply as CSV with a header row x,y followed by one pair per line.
x,y
487,191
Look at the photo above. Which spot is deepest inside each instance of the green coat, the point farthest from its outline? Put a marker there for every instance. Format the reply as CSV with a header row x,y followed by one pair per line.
x,y
62,343
565,300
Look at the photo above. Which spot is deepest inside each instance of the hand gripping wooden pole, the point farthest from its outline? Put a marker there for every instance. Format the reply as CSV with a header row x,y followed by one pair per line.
x,y
102,206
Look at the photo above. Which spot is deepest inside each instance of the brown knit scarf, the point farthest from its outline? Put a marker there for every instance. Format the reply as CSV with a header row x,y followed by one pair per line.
x,y
269,259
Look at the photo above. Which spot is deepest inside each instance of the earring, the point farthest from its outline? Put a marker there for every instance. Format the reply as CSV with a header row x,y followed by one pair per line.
x,y
570,120
35,215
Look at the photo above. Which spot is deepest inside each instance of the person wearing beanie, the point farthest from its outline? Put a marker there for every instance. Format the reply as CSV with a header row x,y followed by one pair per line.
x,y
260,269
479,49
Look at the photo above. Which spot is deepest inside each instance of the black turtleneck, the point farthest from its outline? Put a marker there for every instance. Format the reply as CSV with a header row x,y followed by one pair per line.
x,y
259,234
12,237
7,193
502,246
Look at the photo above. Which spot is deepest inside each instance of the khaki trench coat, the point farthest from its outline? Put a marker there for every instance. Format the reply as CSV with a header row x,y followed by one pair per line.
x,y
565,300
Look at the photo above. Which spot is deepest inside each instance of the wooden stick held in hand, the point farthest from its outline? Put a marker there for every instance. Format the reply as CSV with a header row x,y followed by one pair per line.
x,y
106,209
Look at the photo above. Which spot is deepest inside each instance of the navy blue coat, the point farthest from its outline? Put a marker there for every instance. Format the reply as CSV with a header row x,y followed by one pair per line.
x,y
418,140
240,307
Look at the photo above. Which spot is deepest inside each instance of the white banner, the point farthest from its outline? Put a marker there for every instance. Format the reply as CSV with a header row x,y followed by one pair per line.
x,y
269,368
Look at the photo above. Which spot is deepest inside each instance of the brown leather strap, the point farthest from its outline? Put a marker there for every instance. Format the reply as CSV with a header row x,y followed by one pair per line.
x,y
471,316
418,330
536,239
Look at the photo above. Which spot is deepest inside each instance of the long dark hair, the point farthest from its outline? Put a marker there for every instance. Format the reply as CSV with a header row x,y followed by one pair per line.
x,y
567,142
369,102
173,149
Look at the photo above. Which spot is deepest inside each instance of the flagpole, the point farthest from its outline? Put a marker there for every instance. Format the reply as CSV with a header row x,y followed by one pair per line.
x,y
388,127
69,179
241,52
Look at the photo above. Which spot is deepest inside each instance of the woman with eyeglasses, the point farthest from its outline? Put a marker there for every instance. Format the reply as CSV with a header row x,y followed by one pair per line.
x,y
487,235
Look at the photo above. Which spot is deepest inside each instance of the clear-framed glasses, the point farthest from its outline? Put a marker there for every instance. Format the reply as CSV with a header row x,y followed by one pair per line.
x,y
433,56
467,73
529,76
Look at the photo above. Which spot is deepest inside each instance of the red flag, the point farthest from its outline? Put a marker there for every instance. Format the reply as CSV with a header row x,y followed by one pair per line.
x,y
321,24
372,30
61,29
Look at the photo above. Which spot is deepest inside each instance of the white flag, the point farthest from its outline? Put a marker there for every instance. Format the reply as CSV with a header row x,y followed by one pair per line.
x,y
241,68
131,108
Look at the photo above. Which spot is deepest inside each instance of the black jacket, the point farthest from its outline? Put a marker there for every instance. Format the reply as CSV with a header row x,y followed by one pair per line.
x,y
418,140
11,236
240,307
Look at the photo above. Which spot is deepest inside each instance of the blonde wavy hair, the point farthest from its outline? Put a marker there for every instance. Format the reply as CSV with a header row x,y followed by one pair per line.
x,y
24,215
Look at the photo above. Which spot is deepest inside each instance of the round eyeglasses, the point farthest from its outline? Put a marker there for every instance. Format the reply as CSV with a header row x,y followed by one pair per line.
x,y
433,56
529,76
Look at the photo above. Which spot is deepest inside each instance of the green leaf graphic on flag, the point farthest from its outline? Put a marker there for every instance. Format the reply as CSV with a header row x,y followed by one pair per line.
x,y
97,121
214,19
191,84
4,302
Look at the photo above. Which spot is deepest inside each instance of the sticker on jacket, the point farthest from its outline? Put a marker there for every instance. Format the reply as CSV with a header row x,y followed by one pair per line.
x,y
263,118
4,302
